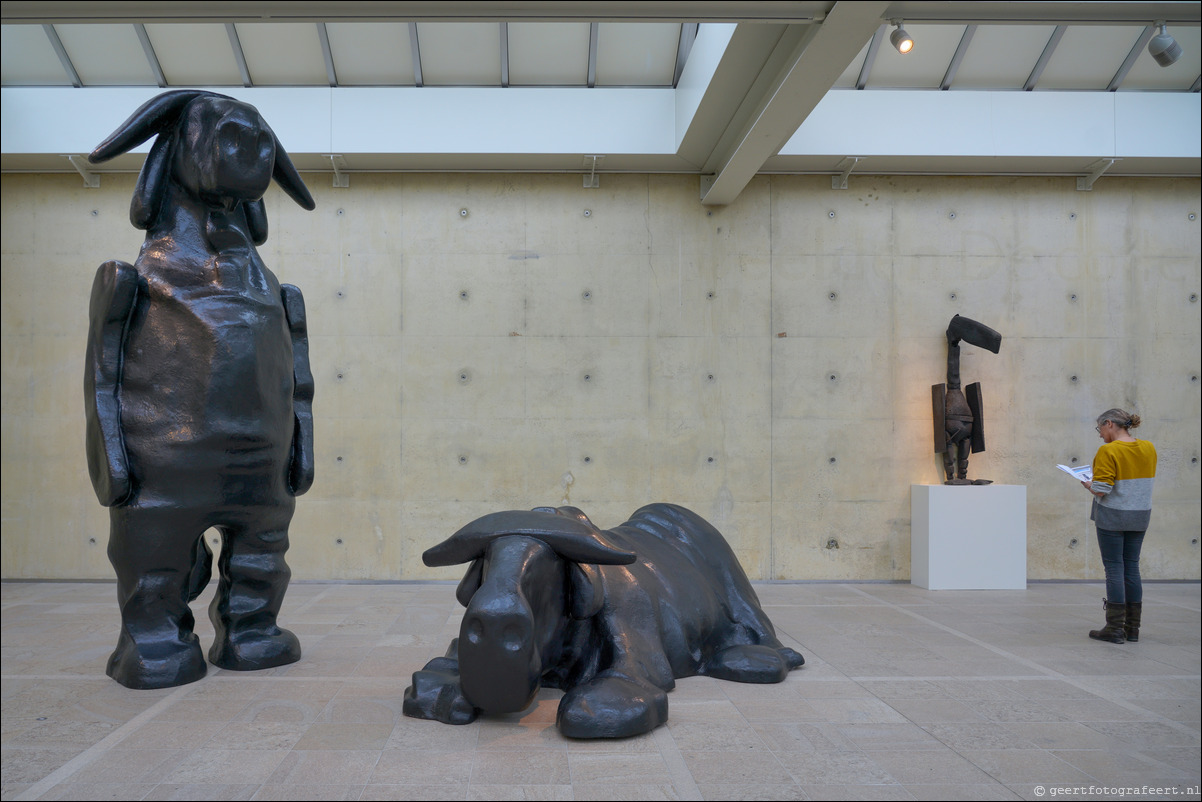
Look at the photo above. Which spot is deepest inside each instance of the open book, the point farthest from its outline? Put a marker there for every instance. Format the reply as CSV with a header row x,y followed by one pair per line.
x,y
1083,473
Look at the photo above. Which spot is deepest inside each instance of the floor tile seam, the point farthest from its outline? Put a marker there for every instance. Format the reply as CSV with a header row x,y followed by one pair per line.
x,y
304,608
679,774
1049,672
102,747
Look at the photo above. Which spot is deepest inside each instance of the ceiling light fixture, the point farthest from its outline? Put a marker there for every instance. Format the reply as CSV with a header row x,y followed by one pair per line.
x,y
904,44
1163,47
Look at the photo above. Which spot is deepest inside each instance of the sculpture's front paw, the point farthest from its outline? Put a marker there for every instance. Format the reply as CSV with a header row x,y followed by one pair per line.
x,y
611,707
435,694
252,650
747,663
161,664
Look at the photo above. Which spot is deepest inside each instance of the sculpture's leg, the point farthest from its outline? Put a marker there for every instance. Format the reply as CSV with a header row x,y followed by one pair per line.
x,y
152,551
949,461
611,706
965,447
254,578
436,694
752,663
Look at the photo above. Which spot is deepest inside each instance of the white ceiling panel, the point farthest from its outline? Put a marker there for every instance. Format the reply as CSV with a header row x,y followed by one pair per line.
x,y
28,59
106,55
1148,76
194,54
636,54
1002,56
548,53
371,53
282,53
921,68
460,53
1088,56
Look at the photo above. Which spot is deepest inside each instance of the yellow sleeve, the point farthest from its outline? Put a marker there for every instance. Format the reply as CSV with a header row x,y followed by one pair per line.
x,y
1105,468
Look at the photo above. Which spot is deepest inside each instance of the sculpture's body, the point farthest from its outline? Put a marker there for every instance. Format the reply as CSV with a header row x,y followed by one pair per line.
x,y
958,414
611,617
199,394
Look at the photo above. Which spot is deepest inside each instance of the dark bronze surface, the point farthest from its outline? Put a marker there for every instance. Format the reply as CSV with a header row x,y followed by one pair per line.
x,y
198,394
959,413
611,617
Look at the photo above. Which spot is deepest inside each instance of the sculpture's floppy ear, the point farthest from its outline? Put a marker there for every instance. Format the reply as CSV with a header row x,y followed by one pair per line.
x,y
156,116
571,538
256,220
577,513
587,592
152,184
288,178
470,582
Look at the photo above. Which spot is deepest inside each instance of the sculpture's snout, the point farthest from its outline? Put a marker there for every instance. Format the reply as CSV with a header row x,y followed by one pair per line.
x,y
499,665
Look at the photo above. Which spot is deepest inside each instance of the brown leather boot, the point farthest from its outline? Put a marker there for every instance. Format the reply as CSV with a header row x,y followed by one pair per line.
x,y
1116,617
1131,625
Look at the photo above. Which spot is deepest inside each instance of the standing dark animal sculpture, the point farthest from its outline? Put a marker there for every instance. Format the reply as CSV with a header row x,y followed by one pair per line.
x,y
199,394
959,414
611,617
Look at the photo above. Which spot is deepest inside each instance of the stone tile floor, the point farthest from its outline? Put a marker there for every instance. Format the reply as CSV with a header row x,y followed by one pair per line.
x,y
906,694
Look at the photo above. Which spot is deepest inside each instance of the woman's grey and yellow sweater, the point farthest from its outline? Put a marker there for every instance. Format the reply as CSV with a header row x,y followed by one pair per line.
x,y
1123,472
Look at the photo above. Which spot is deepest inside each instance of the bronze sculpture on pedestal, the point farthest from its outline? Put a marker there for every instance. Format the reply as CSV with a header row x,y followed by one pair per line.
x,y
958,414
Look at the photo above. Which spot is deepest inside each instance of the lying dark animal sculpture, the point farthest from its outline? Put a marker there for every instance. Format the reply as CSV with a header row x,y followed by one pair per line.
x,y
198,394
611,617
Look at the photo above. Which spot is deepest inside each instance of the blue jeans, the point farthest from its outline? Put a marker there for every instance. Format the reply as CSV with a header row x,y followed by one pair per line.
x,y
1120,558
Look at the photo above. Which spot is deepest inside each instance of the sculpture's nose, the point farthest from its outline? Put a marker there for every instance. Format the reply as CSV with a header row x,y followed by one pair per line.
x,y
499,667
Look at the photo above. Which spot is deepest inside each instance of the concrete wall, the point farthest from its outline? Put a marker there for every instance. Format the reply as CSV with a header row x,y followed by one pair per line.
x,y
487,342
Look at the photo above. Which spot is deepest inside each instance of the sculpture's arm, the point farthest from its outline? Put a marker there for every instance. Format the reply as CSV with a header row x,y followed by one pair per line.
x,y
114,293
301,468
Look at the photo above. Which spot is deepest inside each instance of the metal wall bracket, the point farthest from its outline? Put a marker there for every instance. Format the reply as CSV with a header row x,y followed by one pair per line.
x,y
80,164
341,179
592,180
1085,182
845,167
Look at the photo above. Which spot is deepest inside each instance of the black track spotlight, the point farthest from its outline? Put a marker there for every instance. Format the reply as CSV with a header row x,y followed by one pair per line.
x,y
1163,47
904,44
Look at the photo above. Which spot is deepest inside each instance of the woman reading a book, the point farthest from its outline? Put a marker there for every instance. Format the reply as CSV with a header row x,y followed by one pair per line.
x,y
1123,472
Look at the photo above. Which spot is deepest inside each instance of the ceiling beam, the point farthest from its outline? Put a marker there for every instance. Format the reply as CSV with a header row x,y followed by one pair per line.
x,y
327,55
591,79
688,35
416,50
239,55
874,47
415,10
1136,51
151,57
1044,58
811,67
61,52
504,26
1119,12
958,58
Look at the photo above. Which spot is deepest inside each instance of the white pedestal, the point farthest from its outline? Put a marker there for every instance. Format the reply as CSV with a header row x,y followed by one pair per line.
x,y
968,537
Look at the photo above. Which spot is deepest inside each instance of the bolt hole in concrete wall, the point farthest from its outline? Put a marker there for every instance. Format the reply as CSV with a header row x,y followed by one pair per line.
x,y
451,349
